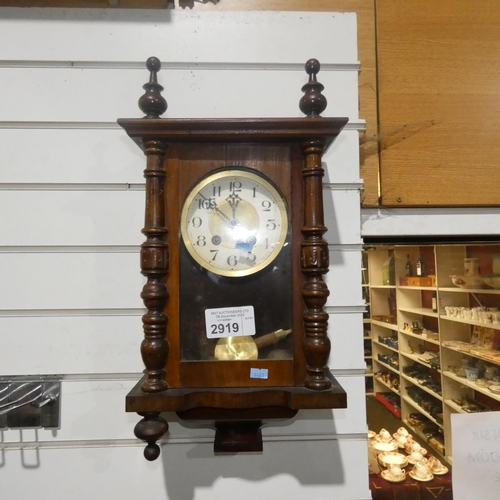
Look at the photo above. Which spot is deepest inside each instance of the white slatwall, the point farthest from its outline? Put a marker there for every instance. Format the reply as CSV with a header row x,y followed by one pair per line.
x,y
71,205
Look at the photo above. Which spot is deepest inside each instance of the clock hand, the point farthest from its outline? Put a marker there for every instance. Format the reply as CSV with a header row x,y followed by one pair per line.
x,y
233,200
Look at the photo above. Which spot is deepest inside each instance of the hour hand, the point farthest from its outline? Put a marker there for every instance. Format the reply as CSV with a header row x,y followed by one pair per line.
x,y
233,200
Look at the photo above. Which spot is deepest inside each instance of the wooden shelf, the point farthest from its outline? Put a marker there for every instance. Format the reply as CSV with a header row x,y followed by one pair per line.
x,y
495,326
383,324
423,437
421,410
470,290
385,365
454,406
421,311
417,288
477,356
415,357
380,381
472,385
416,384
384,345
420,337
383,287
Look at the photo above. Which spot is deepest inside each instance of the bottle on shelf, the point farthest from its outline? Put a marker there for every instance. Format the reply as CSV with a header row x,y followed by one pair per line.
x,y
389,271
420,267
409,266
434,302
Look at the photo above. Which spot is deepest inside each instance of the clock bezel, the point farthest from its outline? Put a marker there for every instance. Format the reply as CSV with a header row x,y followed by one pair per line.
x,y
254,176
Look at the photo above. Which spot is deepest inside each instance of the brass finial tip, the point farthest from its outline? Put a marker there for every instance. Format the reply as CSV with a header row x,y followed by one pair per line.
x,y
153,64
312,67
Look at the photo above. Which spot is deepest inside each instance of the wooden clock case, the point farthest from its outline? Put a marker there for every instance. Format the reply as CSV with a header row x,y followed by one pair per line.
x,y
179,152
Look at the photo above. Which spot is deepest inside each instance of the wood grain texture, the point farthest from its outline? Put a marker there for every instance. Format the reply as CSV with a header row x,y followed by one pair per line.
x,y
439,102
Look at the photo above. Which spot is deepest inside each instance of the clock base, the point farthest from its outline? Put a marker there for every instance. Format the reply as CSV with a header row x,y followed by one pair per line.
x,y
237,412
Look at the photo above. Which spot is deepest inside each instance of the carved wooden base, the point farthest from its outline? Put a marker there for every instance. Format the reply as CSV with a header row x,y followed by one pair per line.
x,y
237,412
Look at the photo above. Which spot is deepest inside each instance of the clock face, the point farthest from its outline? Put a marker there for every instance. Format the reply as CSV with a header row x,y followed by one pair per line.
x,y
234,222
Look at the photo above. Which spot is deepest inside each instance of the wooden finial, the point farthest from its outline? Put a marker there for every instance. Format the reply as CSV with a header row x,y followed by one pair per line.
x,y
313,102
152,102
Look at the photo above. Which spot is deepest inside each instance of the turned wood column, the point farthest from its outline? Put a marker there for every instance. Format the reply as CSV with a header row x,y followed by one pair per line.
x,y
154,251
314,258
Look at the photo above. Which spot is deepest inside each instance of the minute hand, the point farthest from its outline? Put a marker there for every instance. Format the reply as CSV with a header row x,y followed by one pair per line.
x,y
213,206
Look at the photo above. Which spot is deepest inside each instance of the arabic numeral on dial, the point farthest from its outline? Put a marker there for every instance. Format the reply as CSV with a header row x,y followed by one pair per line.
x,y
201,241
271,225
215,252
266,206
216,191
232,260
235,186
196,222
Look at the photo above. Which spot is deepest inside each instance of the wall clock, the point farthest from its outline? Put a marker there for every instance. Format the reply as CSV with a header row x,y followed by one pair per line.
x,y
235,330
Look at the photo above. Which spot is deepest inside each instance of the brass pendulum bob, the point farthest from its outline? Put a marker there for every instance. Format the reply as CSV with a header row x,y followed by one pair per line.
x,y
246,347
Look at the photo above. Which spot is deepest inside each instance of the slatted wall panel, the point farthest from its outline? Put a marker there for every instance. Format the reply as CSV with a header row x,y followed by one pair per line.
x,y
71,206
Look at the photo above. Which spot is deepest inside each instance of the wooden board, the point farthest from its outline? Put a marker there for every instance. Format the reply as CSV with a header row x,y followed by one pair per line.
x,y
439,102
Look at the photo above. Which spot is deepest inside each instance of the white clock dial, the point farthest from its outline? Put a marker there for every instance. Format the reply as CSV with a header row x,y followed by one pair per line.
x,y
234,222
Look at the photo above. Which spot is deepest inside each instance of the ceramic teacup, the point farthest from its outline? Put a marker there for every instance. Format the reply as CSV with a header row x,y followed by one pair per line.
x,y
414,446
384,435
396,472
401,441
434,464
416,456
421,470
402,432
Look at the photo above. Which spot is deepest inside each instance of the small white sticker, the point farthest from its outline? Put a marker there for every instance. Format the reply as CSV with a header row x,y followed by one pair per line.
x,y
261,373
229,322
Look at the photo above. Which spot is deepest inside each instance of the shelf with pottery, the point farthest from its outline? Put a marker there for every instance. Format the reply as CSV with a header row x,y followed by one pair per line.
x,y
442,283
472,385
495,326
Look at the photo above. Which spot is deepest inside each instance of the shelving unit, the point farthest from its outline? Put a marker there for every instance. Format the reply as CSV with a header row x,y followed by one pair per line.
x,y
367,338
417,358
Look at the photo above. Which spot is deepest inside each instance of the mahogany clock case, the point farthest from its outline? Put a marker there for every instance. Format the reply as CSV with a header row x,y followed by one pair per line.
x,y
182,373
193,289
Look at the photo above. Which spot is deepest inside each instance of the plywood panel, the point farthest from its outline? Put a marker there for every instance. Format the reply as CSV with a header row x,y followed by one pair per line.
x,y
439,101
